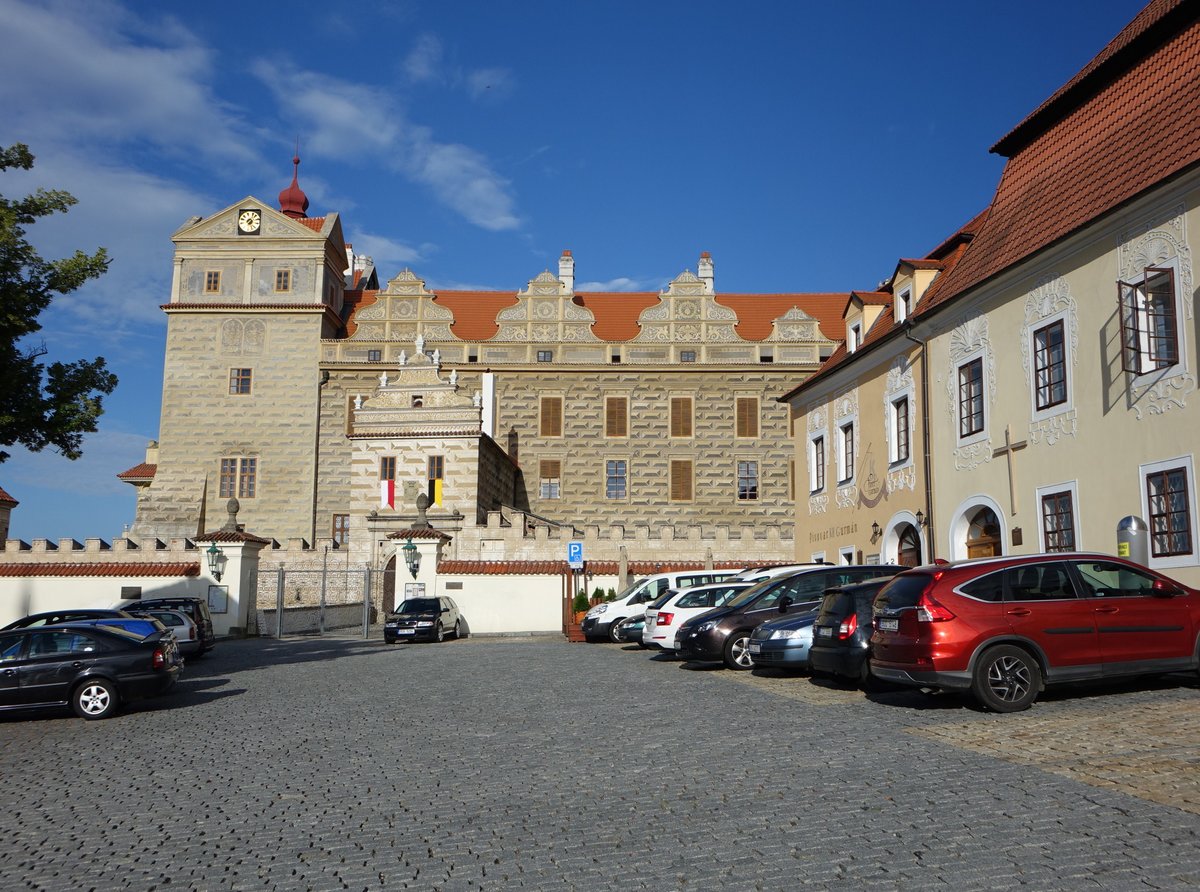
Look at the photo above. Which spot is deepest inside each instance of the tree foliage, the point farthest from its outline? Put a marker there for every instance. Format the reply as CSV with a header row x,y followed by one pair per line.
x,y
41,405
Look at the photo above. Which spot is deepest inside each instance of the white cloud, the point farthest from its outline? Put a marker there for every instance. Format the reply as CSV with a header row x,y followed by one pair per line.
x,y
621,283
346,119
389,254
423,63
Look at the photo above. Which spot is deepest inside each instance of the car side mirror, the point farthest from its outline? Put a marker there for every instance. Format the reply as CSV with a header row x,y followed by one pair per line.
x,y
784,603
1164,589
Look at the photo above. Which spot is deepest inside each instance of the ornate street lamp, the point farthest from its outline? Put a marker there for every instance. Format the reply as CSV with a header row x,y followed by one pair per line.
x,y
216,561
412,558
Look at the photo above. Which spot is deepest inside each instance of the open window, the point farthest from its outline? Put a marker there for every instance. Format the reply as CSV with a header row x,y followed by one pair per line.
x,y
1149,322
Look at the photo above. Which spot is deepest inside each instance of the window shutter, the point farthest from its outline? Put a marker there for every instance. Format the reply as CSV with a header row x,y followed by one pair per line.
x,y
747,416
1131,358
616,417
681,481
681,416
551,422
550,468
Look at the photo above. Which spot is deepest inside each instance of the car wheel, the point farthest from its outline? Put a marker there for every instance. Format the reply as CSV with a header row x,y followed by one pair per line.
x,y
615,630
458,629
737,651
1006,679
439,634
95,699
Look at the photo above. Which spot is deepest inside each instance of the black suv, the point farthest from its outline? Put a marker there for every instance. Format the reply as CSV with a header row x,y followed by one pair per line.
x,y
723,635
429,618
842,632
196,608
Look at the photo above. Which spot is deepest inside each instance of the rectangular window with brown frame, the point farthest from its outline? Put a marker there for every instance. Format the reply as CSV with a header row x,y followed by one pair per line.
x,y
681,416
239,381
616,416
550,478
747,481
1170,513
1058,521
970,398
212,281
239,477
436,476
341,530
1149,326
550,420
283,280
847,453
900,429
1049,366
681,480
747,416
817,457
387,467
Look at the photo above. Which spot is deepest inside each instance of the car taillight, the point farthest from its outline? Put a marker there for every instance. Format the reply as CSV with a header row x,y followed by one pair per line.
x,y
848,627
664,619
159,659
930,611
192,633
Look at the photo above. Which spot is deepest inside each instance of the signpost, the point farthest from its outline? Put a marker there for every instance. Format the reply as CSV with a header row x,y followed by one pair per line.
x,y
575,555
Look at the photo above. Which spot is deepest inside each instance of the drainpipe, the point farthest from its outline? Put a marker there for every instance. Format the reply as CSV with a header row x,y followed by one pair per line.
x,y
321,382
929,534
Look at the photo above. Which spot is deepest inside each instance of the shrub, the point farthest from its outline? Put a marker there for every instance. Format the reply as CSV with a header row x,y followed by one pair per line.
x,y
580,604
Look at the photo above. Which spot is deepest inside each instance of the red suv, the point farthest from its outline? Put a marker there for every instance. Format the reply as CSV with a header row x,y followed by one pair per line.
x,y
1004,627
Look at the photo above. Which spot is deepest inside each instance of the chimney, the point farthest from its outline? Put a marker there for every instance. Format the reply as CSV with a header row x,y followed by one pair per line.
x,y
704,271
566,271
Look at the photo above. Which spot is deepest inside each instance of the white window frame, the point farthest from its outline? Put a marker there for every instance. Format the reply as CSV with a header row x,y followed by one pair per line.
x,y
1177,560
813,436
894,460
817,557
851,422
846,555
1068,405
982,433
902,299
1071,486
854,337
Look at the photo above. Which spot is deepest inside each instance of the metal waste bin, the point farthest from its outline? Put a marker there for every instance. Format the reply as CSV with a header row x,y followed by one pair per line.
x,y
1133,540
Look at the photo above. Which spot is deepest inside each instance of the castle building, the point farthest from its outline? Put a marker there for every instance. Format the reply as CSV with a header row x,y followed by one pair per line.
x,y
325,403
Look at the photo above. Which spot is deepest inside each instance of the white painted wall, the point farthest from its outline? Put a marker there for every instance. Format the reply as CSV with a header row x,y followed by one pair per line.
x,y
23,595
499,604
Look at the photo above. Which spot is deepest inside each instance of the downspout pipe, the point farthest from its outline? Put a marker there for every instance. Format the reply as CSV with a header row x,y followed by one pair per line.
x,y
321,382
930,538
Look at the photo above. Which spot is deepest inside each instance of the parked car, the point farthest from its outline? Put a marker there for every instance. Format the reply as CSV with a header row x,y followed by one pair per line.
x,y
758,574
841,632
54,617
632,631
723,634
196,608
1004,627
664,622
784,643
139,625
603,622
92,668
184,628
431,619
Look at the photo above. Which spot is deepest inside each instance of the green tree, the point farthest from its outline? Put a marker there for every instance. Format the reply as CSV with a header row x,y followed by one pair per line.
x,y
41,405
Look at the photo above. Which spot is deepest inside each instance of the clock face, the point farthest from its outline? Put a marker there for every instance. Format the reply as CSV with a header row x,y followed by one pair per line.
x,y
249,222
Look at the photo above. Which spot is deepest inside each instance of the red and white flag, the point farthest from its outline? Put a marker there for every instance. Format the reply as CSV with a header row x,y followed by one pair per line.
x,y
387,493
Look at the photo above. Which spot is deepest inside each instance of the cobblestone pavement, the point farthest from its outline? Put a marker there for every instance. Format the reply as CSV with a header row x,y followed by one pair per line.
x,y
534,764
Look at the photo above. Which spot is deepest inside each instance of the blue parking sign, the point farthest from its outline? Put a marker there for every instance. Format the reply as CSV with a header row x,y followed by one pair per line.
x,y
575,555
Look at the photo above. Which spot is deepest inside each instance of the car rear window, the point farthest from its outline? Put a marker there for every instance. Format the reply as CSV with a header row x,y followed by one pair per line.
x,y
836,604
662,599
903,591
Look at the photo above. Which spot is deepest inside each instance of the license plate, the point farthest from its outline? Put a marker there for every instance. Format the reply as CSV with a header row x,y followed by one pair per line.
x,y
755,648
888,625
825,631
406,631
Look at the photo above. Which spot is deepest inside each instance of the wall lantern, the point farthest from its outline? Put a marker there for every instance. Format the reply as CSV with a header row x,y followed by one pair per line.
x,y
874,531
412,558
216,561
920,518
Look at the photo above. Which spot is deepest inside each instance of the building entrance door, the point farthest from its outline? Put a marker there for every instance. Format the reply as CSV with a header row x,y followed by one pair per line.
x,y
908,550
389,587
983,536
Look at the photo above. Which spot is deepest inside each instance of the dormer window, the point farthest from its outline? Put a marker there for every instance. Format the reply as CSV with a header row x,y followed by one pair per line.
x,y
903,304
854,337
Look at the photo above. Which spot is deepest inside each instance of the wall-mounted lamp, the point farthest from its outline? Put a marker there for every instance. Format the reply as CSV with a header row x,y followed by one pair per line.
x,y
216,561
875,531
920,518
412,558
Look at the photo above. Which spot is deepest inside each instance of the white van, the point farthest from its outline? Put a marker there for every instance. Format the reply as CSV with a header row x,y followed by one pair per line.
x,y
604,621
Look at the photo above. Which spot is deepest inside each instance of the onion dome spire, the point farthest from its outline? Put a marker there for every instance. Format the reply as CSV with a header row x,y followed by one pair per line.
x,y
292,200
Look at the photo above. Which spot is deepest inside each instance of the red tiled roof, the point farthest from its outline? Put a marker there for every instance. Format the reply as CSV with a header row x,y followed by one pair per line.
x,y
352,303
231,536
97,569
1123,128
617,312
413,533
316,224
475,312
922,264
756,312
6,499
144,471
873,298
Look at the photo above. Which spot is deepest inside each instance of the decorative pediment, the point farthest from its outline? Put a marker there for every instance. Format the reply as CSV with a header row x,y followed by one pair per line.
x,y
224,224
407,282
546,283
686,283
796,325
415,399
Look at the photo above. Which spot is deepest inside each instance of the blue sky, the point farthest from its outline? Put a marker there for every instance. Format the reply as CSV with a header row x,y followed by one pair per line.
x,y
807,146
